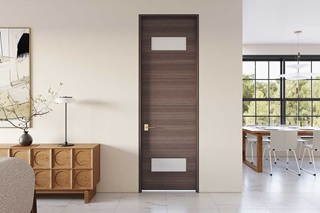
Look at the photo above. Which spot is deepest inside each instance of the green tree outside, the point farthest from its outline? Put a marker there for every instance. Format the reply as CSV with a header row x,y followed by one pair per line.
x,y
253,88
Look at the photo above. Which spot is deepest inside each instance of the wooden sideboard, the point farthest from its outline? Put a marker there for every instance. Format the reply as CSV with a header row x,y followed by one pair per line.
x,y
60,170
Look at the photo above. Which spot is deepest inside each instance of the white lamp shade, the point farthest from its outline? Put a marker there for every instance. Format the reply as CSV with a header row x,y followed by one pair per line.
x,y
299,76
65,99
297,66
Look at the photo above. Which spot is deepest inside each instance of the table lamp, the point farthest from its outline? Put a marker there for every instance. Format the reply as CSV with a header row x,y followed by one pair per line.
x,y
65,100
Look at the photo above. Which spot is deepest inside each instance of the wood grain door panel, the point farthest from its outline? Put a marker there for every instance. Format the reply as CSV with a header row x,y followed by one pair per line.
x,y
169,102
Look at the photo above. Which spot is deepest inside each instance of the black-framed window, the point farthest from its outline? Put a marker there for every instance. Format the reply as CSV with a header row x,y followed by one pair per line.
x,y
268,99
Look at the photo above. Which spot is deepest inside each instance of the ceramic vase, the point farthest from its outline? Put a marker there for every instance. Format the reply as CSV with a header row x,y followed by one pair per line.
x,y
25,139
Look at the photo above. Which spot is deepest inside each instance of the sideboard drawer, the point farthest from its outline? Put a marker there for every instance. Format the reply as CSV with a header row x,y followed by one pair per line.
x,y
82,158
23,154
83,179
42,179
61,179
61,158
41,158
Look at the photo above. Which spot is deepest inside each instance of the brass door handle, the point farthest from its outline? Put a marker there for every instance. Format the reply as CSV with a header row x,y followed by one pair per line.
x,y
146,127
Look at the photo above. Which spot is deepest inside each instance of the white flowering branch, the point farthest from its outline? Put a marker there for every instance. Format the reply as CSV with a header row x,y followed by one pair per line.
x,y
38,106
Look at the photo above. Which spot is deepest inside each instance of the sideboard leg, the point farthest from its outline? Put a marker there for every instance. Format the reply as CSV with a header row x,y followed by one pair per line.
x,y
88,195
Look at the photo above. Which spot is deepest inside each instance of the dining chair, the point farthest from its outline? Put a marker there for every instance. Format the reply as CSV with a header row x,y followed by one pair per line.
x,y
252,140
283,141
300,143
315,146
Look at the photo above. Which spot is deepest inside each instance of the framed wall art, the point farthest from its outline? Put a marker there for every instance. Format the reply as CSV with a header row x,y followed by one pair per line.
x,y
15,75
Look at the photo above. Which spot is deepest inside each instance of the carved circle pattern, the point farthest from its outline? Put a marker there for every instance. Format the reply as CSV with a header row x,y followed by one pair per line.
x,y
82,158
62,158
40,158
61,178
40,176
18,154
82,178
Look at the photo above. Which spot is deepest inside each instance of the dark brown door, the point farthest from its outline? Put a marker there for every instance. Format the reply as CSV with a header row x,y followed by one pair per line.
x,y
169,102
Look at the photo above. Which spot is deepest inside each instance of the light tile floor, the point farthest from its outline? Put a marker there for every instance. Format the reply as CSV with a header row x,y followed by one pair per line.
x,y
284,192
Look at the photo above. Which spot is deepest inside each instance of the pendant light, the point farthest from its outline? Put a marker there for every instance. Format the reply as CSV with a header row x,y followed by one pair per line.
x,y
297,75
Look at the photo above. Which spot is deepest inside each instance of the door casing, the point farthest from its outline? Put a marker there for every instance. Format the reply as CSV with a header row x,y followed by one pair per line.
x,y
141,16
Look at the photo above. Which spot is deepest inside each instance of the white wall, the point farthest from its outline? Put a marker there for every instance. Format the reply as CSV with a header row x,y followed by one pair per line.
x,y
92,47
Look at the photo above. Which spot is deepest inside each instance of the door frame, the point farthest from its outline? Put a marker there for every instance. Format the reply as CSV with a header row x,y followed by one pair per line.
x,y
140,129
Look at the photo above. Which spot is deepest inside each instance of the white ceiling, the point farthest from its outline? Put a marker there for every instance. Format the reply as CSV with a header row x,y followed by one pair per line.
x,y
274,21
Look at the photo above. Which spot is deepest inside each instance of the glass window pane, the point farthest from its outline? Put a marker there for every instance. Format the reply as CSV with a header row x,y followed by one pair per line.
x,y
316,88
248,108
262,70
249,121
291,120
262,108
248,68
316,121
291,91
261,89
274,69
304,89
274,88
248,88
316,108
274,121
304,108
264,121
305,121
275,108
316,68
291,108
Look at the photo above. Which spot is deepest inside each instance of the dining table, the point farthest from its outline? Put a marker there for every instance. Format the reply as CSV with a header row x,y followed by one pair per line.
x,y
259,132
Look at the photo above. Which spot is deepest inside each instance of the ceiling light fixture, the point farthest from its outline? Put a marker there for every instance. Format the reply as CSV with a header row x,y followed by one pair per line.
x,y
297,75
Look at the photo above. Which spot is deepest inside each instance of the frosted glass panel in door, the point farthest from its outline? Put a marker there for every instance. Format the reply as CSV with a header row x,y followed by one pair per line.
x,y
168,43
